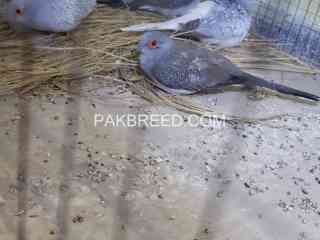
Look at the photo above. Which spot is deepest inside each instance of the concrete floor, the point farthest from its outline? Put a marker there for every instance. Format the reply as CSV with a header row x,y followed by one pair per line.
x,y
64,178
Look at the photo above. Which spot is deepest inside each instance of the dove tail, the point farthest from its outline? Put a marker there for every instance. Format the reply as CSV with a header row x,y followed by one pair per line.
x,y
250,80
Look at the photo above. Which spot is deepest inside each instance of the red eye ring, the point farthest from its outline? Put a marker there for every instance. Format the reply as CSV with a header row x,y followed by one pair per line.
x,y
153,44
18,12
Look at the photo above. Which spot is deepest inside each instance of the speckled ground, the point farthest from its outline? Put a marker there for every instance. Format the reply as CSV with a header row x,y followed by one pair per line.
x,y
64,178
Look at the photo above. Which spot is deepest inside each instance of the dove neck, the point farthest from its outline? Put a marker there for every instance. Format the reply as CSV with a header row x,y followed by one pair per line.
x,y
150,61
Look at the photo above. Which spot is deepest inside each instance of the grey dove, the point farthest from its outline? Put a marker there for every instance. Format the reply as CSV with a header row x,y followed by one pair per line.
x,y
223,23
46,15
182,67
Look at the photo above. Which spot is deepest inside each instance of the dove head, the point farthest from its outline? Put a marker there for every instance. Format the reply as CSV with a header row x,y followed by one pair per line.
x,y
153,46
15,13
27,15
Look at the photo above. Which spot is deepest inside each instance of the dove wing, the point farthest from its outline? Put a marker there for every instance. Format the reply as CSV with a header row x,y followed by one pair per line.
x,y
191,68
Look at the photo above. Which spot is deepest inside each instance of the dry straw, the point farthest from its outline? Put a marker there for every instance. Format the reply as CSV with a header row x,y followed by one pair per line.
x,y
98,47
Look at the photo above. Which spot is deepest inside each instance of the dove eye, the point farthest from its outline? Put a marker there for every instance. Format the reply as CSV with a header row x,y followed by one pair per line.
x,y
153,44
18,12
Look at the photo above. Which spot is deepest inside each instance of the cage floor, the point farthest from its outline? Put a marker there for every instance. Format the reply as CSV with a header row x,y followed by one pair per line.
x,y
64,178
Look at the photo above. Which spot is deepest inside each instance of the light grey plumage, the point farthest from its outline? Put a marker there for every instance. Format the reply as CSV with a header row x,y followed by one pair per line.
x,y
250,5
47,15
170,8
183,67
223,23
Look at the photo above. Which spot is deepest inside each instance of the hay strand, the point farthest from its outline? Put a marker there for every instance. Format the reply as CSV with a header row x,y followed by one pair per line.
x,y
98,46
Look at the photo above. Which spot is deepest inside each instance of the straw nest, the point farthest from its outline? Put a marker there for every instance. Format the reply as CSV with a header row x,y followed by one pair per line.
x,y
98,47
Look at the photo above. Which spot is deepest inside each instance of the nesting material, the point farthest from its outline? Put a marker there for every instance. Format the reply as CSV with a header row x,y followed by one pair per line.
x,y
99,47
